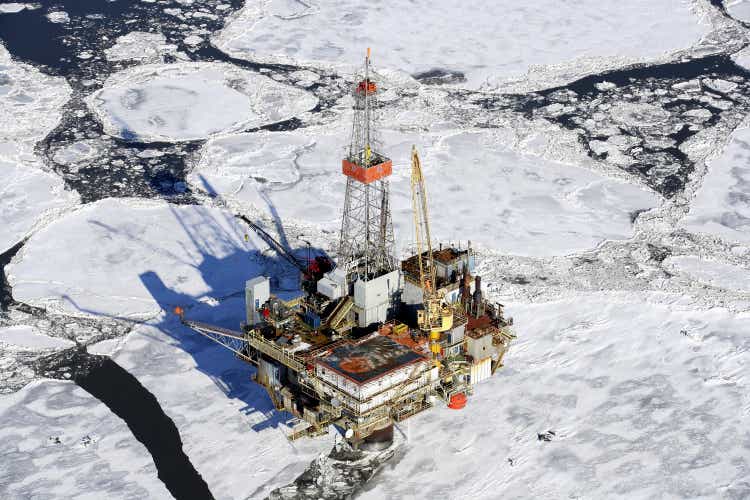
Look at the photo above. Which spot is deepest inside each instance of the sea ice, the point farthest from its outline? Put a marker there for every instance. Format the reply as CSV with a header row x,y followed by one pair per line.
x,y
27,92
721,206
189,101
132,258
739,9
58,439
28,196
77,153
14,7
226,422
516,203
713,273
483,40
629,389
139,46
742,58
26,337
193,40
27,193
58,17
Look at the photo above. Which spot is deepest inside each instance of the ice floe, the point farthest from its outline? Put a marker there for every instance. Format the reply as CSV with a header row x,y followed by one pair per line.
x,y
30,106
738,9
721,206
628,389
480,39
26,337
132,258
58,17
78,153
181,102
139,46
14,7
713,273
742,58
56,422
517,203
28,196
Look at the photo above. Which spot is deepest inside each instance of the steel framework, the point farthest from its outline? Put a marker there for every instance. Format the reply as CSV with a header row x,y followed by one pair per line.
x,y
366,244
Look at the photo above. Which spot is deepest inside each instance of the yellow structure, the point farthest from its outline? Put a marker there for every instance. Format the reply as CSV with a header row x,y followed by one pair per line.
x,y
436,317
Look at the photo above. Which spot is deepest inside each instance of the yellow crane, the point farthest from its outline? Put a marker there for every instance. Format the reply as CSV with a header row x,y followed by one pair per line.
x,y
436,316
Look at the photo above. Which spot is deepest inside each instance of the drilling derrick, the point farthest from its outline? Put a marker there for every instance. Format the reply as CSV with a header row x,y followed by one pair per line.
x,y
366,246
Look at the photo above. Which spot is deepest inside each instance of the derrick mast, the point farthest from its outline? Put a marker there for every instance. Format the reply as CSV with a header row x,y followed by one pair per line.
x,y
366,245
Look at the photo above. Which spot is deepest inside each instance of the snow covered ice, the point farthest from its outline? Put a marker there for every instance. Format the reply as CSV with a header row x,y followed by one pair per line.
x,y
29,196
27,337
192,101
631,302
739,9
14,7
64,442
132,258
139,46
711,272
721,206
632,392
517,203
484,40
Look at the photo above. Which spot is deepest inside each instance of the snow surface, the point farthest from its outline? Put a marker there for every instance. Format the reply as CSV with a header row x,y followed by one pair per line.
x,y
721,206
105,347
133,258
742,58
738,9
713,273
189,101
484,40
645,401
96,456
139,46
27,92
477,185
28,195
27,337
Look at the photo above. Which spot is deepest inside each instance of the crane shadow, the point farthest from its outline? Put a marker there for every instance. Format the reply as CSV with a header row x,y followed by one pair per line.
x,y
225,254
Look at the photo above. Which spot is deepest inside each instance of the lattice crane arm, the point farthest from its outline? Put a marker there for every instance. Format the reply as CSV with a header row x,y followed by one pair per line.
x,y
436,316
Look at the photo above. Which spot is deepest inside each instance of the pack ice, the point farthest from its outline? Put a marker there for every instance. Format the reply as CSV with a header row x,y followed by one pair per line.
x,y
517,203
484,40
28,194
133,258
721,206
190,101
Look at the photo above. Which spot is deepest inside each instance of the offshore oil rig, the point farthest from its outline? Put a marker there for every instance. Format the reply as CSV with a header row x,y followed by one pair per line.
x,y
370,341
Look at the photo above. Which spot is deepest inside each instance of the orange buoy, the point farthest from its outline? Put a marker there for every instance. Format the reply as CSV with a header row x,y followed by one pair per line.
x,y
457,401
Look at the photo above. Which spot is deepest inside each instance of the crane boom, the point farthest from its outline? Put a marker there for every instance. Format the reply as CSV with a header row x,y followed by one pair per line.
x,y
436,316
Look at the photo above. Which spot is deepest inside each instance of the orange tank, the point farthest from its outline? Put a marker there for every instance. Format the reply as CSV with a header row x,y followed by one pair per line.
x,y
367,175
457,401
